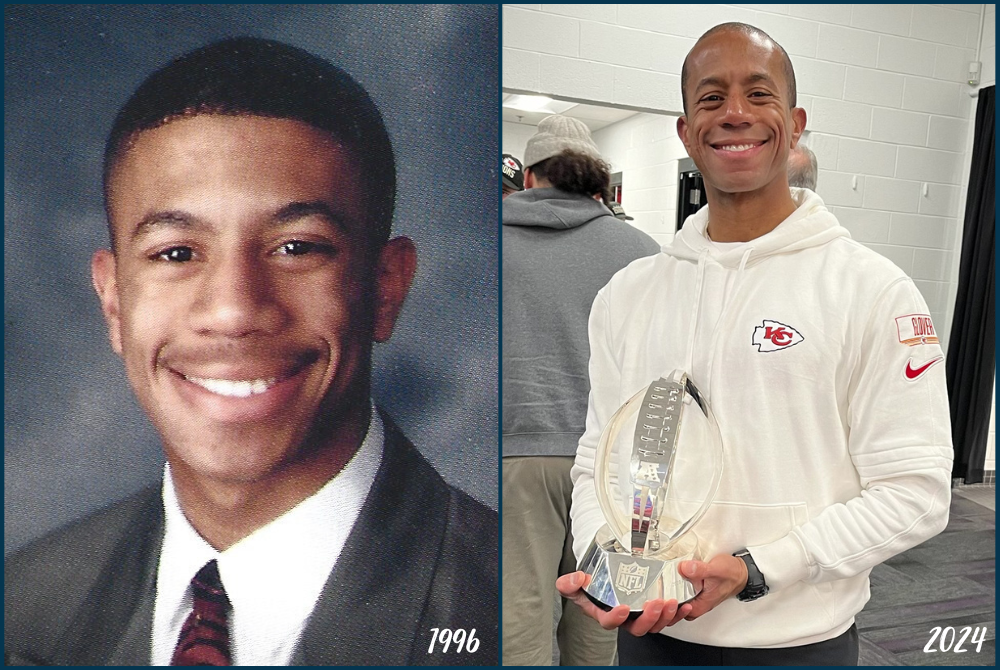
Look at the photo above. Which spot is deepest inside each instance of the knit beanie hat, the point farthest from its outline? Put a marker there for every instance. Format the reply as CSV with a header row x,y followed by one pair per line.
x,y
555,134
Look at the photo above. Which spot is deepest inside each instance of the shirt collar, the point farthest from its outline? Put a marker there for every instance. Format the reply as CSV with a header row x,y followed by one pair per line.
x,y
303,544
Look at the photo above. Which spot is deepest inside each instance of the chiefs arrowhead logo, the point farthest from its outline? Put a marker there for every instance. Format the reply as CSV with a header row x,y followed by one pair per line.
x,y
772,336
913,373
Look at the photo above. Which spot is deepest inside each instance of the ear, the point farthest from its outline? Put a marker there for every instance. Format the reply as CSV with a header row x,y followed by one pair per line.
x,y
798,124
682,132
529,179
394,269
102,272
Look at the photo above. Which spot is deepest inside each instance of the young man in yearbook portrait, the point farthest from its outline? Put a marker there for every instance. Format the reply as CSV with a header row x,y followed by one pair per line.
x,y
249,188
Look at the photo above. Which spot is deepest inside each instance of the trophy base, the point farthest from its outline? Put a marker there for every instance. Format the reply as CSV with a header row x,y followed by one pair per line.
x,y
618,578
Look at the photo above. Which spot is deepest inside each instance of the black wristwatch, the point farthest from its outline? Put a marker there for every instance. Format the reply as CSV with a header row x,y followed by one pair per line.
x,y
756,587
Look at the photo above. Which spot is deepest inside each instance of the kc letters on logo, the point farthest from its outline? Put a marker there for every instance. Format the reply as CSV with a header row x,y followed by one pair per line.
x,y
631,577
772,336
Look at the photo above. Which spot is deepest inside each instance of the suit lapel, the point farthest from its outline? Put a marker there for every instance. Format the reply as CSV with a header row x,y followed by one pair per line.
x,y
134,647
110,628
371,605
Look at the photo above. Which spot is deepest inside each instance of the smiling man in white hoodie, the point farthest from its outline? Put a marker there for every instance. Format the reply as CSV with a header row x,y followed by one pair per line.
x,y
822,367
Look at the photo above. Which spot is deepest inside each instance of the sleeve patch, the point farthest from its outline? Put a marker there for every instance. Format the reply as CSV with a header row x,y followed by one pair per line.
x,y
914,329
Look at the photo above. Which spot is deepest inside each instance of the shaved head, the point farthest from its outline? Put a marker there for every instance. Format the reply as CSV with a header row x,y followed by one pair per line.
x,y
749,31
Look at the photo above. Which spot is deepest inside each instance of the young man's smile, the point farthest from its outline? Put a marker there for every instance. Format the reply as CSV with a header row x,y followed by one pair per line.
x,y
245,293
250,389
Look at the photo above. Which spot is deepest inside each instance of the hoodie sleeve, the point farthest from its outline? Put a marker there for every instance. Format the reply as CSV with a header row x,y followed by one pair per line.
x,y
900,444
605,379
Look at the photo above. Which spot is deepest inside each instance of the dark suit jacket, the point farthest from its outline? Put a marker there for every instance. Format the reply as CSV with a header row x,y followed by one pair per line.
x,y
422,555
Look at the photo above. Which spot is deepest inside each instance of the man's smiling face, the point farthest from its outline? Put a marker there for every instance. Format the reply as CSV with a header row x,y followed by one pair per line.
x,y
243,295
739,125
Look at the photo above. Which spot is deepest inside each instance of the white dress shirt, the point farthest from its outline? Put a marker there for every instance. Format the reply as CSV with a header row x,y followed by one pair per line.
x,y
300,546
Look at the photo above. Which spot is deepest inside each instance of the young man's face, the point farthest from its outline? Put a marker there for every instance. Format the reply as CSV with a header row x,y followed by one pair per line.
x,y
738,128
240,295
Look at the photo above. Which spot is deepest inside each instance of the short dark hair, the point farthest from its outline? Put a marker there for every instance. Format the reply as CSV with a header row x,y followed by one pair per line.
x,y
575,172
750,31
249,76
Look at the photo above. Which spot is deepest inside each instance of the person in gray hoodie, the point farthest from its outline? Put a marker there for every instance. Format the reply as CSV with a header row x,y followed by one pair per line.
x,y
560,247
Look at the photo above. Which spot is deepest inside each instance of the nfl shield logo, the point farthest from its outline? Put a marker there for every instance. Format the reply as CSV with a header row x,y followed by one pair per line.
x,y
631,577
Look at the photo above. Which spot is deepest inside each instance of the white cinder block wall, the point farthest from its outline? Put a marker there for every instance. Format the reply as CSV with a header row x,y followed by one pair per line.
x,y
645,149
515,137
884,88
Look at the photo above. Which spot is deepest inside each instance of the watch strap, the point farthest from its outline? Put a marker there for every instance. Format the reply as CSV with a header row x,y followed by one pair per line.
x,y
756,586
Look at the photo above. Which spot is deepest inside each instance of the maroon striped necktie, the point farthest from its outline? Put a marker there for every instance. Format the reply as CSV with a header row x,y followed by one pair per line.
x,y
204,638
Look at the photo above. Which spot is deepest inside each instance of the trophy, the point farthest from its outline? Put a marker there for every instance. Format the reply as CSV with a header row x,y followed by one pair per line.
x,y
665,476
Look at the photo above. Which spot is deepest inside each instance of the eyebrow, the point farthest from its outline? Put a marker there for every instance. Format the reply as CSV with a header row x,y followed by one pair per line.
x,y
294,211
169,219
301,210
752,79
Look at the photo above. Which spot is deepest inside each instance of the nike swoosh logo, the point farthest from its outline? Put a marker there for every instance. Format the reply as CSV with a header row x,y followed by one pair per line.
x,y
912,373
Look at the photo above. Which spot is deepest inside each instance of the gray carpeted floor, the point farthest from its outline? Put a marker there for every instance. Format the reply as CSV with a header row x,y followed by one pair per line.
x,y
984,495
946,582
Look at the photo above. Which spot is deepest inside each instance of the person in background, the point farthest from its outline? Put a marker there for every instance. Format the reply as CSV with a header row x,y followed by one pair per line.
x,y
512,175
619,212
802,167
560,246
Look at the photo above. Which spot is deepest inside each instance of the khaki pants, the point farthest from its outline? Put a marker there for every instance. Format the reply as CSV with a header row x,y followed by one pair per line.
x,y
538,548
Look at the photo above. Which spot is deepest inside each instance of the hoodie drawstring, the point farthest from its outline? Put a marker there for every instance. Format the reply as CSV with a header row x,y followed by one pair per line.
x,y
722,325
743,262
689,358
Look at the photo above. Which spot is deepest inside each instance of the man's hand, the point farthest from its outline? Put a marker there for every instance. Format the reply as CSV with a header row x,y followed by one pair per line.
x,y
722,577
656,614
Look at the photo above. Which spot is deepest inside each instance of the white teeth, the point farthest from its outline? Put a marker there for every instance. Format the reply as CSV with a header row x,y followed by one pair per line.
x,y
738,147
235,389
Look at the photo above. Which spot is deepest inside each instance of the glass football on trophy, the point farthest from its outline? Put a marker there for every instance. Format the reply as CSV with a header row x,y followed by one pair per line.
x,y
657,469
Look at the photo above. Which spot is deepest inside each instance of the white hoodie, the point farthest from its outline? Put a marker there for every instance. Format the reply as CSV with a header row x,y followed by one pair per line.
x,y
810,348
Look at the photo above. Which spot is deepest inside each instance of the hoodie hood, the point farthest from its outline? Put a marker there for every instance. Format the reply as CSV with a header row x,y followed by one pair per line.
x,y
810,225
551,208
